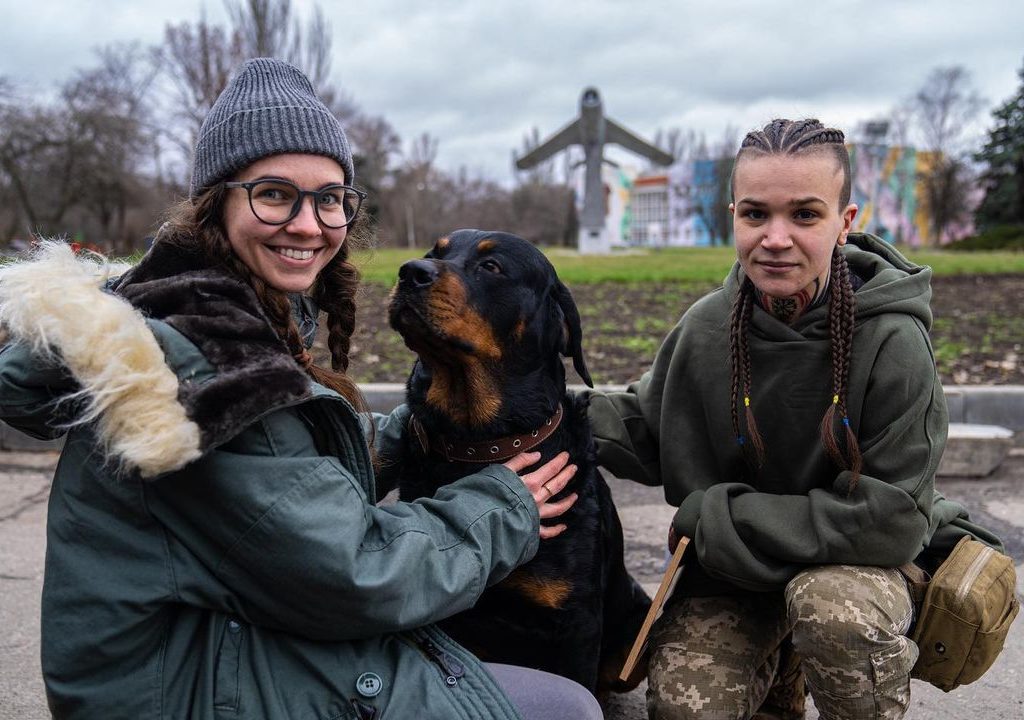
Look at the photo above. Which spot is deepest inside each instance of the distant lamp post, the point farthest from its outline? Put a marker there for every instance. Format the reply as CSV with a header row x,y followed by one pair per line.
x,y
410,215
410,228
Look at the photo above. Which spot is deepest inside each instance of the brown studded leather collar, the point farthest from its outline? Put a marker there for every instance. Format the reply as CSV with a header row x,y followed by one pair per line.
x,y
485,451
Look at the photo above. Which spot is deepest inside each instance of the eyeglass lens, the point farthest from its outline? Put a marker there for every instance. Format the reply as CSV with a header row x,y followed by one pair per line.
x,y
276,202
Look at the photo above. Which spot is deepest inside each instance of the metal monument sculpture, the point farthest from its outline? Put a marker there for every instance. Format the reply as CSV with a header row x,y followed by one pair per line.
x,y
592,130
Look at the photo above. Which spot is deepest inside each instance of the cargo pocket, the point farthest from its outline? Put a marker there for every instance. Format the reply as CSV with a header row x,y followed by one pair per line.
x,y
890,669
225,679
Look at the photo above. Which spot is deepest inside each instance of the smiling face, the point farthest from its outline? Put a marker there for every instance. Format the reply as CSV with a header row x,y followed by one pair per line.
x,y
787,217
287,257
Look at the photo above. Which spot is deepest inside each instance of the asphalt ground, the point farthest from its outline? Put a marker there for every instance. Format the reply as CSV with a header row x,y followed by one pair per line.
x,y
997,501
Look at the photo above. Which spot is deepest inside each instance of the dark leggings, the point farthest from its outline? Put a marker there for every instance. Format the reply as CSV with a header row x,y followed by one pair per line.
x,y
539,695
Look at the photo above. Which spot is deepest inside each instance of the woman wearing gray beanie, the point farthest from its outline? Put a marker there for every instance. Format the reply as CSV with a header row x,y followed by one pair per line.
x,y
214,545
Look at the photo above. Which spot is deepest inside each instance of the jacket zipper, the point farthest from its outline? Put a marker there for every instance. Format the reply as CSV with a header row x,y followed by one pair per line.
x,y
973,570
451,668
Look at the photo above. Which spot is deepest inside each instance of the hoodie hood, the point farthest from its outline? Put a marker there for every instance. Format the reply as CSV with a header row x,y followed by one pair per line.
x,y
892,284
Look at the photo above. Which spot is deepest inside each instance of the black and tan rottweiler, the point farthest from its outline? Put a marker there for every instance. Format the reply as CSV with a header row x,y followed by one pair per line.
x,y
490,322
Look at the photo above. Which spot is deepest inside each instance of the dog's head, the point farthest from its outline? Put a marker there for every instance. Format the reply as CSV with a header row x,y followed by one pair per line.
x,y
490,306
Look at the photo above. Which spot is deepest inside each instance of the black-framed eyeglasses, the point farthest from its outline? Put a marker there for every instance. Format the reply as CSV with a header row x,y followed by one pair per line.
x,y
275,201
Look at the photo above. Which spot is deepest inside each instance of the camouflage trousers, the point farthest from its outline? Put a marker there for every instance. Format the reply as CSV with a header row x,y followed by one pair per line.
x,y
735,657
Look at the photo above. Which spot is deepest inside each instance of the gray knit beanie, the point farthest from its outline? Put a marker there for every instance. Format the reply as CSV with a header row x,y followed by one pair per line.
x,y
269,107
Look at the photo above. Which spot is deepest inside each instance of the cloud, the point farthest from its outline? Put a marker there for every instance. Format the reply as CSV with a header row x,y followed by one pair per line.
x,y
479,75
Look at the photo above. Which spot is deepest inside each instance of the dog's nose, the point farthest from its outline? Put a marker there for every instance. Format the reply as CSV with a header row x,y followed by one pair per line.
x,y
417,273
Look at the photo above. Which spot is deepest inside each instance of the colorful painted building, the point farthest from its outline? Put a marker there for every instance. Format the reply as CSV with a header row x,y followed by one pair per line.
x,y
676,208
890,195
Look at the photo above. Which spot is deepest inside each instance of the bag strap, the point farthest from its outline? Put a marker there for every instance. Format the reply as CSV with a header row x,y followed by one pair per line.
x,y
917,581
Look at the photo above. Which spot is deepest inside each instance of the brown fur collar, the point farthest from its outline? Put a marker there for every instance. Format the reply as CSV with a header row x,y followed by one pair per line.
x,y
221,315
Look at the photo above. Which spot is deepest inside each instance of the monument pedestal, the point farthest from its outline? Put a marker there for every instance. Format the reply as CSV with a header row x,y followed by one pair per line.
x,y
594,241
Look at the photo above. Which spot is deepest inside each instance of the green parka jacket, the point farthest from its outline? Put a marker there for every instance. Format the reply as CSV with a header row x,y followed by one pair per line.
x,y
214,546
755,531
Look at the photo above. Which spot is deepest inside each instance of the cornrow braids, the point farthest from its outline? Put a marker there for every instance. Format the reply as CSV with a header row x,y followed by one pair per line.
x,y
842,306
739,351
791,136
794,136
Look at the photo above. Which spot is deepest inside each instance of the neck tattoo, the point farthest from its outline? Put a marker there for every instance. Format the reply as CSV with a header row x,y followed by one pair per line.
x,y
788,309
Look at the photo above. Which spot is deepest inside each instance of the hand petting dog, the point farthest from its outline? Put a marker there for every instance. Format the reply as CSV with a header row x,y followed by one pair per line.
x,y
545,483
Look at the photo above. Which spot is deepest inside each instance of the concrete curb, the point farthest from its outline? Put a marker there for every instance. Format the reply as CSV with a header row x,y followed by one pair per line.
x,y
982,404
987,405
974,450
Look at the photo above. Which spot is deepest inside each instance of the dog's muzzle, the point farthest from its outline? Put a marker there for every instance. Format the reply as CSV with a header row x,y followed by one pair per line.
x,y
417,274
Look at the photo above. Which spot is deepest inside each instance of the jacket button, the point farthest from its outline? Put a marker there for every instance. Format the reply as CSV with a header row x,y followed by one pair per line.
x,y
369,684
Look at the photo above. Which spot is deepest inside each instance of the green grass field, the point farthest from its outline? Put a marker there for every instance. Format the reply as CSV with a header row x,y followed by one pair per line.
x,y
687,265
702,266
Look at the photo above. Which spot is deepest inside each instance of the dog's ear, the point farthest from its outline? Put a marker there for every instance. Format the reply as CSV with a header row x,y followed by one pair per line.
x,y
572,332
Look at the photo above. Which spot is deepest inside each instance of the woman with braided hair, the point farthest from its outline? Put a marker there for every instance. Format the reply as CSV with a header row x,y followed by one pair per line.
x,y
796,420
215,548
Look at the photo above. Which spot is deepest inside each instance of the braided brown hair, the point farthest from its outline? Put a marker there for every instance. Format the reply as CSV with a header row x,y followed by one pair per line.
x,y
788,137
198,226
791,137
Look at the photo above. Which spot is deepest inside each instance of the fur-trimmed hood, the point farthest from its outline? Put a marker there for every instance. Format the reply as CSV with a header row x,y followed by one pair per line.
x,y
134,344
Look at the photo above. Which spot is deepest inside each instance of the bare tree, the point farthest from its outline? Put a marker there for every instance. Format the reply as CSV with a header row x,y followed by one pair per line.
x,y
264,27
198,59
103,160
943,108
474,202
112,121
38,161
270,28
683,145
78,166
411,203
375,143
947,186
901,123
544,214
542,205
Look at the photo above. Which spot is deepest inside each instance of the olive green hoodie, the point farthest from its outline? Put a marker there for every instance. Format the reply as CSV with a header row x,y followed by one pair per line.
x,y
757,529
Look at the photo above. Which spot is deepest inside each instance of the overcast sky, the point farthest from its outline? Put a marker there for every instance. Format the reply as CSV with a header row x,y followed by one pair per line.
x,y
479,74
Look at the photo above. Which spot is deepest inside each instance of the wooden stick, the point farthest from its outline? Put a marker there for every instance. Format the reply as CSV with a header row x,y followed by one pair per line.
x,y
652,614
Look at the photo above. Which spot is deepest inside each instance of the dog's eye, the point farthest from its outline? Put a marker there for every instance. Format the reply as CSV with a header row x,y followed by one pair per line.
x,y
490,266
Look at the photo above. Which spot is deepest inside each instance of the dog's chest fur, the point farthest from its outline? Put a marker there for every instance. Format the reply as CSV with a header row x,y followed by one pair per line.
x,y
546,614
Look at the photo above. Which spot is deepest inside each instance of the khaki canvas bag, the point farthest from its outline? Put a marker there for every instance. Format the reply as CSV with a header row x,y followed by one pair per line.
x,y
966,612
